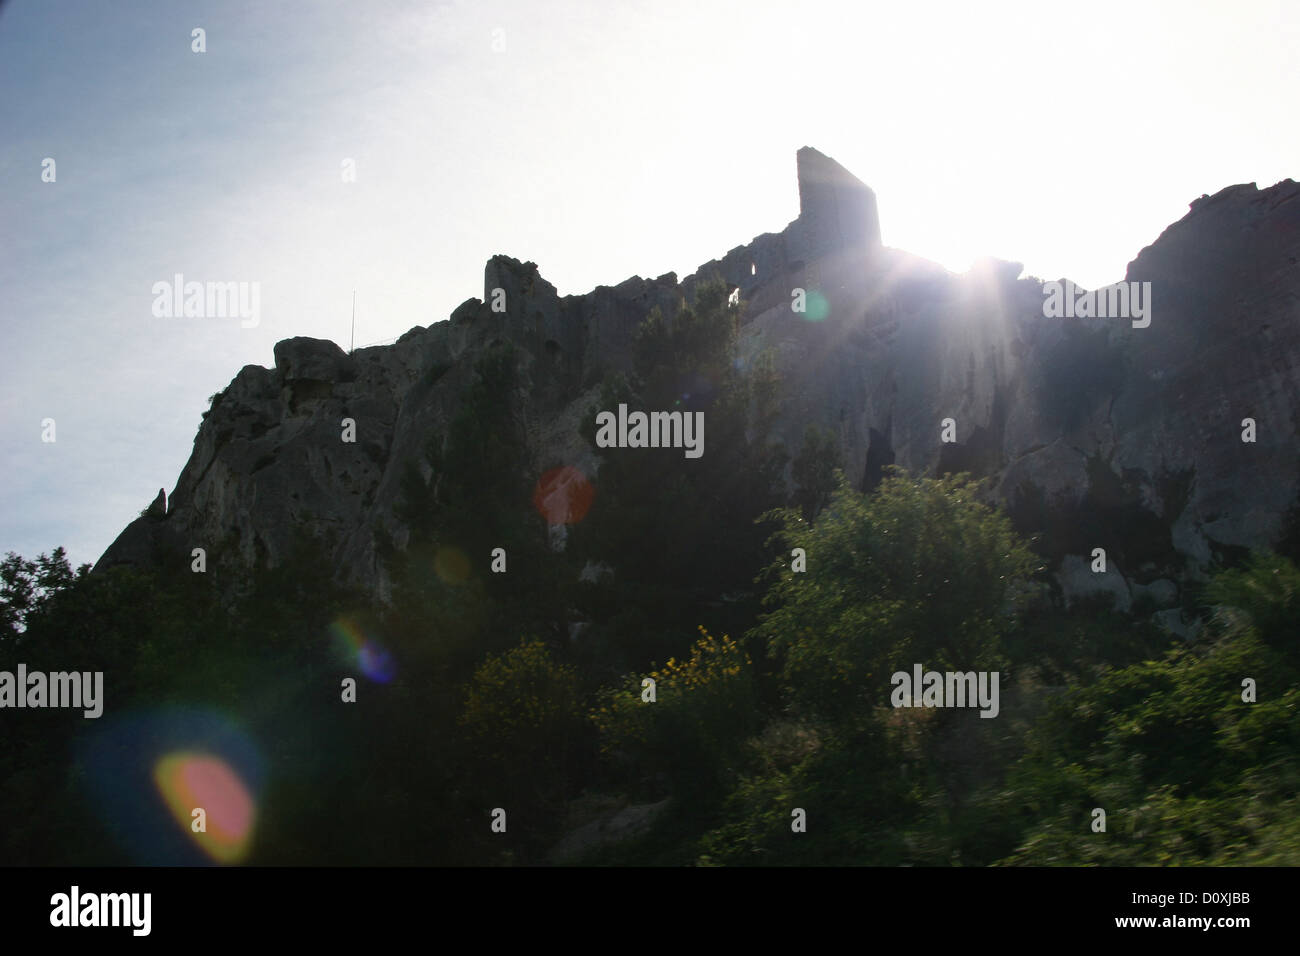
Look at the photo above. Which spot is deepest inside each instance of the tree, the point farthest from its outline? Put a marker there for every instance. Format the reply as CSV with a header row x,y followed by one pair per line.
x,y
1187,770
679,533
919,572
28,587
522,732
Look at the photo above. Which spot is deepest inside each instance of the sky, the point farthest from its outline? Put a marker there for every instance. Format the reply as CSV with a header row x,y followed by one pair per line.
x,y
600,139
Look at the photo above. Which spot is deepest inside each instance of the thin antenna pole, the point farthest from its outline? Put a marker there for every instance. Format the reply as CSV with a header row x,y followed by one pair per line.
x,y
353,342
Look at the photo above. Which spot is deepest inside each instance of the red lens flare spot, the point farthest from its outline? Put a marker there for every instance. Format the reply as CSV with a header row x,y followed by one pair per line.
x,y
563,495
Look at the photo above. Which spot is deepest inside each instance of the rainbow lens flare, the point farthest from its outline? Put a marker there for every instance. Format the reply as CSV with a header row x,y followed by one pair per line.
x,y
355,646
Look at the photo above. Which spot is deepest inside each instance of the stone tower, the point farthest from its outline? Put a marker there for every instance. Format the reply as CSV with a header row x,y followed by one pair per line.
x,y
837,211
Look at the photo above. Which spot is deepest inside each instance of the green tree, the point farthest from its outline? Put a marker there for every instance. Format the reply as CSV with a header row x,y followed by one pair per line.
x,y
523,733
917,572
1187,771
28,587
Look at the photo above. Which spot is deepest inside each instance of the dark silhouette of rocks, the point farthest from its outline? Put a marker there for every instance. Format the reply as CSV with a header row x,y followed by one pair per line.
x,y
158,509
1091,431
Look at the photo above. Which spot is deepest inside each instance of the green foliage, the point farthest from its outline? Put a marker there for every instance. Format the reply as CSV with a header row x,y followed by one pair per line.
x,y
1267,592
918,572
522,705
654,508
1186,771
814,470
27,587
1098,709
700,339
161,639
1069,646
856,801
523,734
703,710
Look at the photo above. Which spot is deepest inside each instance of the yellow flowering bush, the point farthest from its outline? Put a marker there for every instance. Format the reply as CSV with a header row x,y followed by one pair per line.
x,y
704,707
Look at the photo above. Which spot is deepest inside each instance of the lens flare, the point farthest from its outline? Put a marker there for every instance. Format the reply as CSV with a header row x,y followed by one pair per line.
x,y
146,772
816,307
355,646
563,495
191,781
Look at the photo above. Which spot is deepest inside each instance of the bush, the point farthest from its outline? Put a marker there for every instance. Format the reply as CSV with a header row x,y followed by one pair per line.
x,y
1186,770
704,709
918,572
522,706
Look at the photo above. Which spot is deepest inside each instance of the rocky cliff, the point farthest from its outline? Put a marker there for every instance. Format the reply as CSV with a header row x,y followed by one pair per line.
x,y
1093,432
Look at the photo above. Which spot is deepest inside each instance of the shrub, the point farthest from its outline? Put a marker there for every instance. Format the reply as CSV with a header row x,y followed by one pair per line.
x,y
704,708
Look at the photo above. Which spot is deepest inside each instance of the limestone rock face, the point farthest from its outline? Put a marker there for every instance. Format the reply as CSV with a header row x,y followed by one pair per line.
x,y
1078,580
1092,432
1223,346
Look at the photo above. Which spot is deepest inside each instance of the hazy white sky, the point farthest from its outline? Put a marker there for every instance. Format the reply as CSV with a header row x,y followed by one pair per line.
x,y
605,139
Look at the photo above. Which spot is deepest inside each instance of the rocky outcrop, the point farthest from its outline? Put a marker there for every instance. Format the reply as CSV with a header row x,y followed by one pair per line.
x,y
1092,432
608,828
158,509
